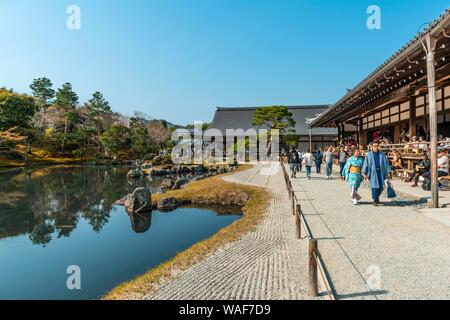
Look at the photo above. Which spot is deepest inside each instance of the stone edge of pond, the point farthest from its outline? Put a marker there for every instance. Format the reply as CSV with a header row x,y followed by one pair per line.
x,y
254,210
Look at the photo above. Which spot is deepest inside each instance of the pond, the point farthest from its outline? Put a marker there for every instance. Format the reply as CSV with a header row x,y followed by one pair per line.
x,y
54,218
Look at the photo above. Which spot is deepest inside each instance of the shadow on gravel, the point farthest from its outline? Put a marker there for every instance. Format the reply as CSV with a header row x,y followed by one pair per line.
x,y
404,203
330,238
362,294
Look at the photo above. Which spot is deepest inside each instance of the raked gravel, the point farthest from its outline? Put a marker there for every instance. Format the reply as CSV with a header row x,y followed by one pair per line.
x,y
268,263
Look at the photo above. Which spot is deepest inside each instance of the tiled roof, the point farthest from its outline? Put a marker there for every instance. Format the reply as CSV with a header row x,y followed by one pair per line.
x,y
401,53
242,118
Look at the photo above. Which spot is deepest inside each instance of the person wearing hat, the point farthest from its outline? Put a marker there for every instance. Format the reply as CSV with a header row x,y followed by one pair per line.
x,y
376,169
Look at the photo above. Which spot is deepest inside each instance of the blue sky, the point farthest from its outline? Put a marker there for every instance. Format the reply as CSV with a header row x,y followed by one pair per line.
x,y
179,59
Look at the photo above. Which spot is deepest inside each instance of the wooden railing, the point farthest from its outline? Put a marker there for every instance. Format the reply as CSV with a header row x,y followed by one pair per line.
x,y
316,264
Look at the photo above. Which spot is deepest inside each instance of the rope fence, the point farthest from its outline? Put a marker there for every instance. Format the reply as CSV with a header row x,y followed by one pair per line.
x,y
316,265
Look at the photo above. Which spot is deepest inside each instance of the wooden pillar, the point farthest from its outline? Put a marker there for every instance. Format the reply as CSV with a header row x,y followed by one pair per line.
x,y
412,116
358,133
343,131
430,47
339,133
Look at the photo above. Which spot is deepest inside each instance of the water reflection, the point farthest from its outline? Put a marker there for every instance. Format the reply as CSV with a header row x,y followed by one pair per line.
x,y
51,201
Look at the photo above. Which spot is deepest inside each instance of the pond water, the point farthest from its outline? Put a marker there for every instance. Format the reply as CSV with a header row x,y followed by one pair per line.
x,y
54,218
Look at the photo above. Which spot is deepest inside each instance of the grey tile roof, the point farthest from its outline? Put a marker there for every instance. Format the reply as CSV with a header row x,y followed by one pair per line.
x,y
327,117
242,118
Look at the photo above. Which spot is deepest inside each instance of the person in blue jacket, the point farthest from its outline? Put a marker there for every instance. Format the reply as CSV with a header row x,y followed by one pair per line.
x,y
377,170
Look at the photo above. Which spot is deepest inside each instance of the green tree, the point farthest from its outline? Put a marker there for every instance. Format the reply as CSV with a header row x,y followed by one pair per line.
x,y
98,105
15,109
140,139
66,97
44,94
275,117
71,118
99,116
42,91
116,139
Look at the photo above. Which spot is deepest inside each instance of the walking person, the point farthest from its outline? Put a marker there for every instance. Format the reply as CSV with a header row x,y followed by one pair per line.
x,y
308,160
318,158
353,174
300,162
328,158
342,156
293,161
376,169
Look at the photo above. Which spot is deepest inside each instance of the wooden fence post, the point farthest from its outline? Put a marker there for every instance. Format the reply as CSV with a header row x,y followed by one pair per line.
x,y
313,282
298,221
293,202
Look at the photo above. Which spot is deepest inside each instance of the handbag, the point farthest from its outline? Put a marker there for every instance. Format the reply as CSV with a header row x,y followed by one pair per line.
x,y
390,191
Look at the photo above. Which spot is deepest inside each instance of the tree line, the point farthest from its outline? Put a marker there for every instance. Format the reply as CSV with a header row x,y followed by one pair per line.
x,y
56,122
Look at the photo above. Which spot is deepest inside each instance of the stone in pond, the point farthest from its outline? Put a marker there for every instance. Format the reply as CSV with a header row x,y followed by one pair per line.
x,y
167,184
168,204
139,201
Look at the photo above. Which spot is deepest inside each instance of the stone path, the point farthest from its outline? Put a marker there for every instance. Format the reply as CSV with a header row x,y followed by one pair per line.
x,y
387,252
268,263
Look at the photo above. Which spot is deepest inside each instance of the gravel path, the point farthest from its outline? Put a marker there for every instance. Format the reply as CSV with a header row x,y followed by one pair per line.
x,y
268,263
401,253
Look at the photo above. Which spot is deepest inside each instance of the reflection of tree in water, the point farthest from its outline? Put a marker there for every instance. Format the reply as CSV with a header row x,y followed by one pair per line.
x,y
42,232
56,198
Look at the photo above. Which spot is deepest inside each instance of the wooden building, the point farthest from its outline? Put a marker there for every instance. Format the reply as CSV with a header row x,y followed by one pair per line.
x,y
242,118
395,96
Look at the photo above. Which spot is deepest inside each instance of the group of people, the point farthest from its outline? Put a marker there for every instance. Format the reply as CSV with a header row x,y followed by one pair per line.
x,y
354,168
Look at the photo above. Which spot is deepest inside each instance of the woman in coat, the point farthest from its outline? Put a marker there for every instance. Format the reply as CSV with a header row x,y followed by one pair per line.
x,y
353,174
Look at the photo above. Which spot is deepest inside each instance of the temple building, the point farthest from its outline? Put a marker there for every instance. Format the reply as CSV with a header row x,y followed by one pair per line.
x,y
393,100
242,118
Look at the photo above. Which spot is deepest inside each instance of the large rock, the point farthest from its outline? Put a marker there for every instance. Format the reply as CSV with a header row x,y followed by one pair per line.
x,y
139,201
167,184
179,183
134,174
168,204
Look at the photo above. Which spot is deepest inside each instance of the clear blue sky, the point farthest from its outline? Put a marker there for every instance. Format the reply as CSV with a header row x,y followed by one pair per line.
x,y
179,59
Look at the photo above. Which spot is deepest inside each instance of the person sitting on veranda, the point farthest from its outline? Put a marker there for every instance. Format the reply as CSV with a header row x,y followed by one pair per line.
x,y
442,165
404,136
397,162
420,169
413,145
422,144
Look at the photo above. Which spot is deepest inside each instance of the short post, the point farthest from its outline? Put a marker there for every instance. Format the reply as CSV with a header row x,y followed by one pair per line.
x,y
298,221
293,202
313,282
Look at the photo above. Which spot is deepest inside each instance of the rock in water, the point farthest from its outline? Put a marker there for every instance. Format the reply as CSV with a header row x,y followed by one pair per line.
x,y
168,204
139,201
134,174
